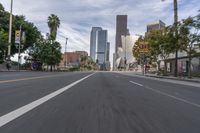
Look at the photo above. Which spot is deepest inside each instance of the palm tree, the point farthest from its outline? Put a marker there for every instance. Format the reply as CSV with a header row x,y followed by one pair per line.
x,y
53,23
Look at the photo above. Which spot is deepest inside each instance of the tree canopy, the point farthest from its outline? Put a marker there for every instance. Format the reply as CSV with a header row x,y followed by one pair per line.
x,y
32,33
163,42
53,23
47,52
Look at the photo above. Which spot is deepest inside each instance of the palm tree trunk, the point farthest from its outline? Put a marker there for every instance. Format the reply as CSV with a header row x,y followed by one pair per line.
x,y
165,68
51,68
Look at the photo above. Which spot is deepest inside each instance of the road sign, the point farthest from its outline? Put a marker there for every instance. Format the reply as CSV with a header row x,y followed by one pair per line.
x,y
17,46
144,47
17,36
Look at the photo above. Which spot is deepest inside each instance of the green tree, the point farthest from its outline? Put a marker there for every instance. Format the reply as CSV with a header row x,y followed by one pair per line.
x,y
189,36
1,7
47,52
32,33
3,45
53,23
136,49
161,45
4,16
4,19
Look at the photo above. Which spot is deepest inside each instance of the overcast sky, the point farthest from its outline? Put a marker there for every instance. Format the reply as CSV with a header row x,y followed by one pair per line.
x,y
79,16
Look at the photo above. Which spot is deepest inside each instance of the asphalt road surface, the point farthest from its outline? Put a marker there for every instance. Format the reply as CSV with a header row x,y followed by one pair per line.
x,y
96,102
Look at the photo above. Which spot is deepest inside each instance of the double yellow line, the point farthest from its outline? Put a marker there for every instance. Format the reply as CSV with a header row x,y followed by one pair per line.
x,y
24,79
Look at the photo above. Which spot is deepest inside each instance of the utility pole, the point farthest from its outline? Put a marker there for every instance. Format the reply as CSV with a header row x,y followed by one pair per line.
x,y
10,31
176,36
65,62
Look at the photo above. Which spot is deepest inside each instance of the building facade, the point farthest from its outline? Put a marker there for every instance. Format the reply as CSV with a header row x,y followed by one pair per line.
x,y
99,47
93,41
125,55
108,51
121,30
155,25
72,58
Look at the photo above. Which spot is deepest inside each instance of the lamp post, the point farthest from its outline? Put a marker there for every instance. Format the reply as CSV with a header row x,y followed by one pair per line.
x,y
176,35
125,54
65,62
10,31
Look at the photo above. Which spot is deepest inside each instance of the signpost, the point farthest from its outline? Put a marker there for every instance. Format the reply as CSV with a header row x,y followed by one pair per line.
x,y
19,38
144,47
143,50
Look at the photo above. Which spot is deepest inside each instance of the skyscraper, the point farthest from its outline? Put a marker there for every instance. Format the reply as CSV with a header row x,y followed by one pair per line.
x,y
121,29
101,46
107,57
93,41
108,51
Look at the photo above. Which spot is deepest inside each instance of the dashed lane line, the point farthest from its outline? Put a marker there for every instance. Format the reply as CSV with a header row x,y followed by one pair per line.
x,y
166,94
136,83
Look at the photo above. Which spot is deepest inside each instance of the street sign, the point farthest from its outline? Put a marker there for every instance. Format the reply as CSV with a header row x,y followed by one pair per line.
x,y
17,46
144,47
17,36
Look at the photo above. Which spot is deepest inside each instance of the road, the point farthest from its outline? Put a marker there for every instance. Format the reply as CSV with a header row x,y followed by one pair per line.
x,y
96,102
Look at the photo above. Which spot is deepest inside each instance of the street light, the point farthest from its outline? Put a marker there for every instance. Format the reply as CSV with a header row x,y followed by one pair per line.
x,y
65,62
125,53
10,31
176,35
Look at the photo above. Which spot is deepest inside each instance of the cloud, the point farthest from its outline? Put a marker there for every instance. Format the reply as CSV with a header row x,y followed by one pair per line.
x,y
79,16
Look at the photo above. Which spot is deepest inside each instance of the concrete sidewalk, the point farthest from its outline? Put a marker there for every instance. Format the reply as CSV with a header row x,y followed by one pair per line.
x,y
5,70
193,79
12,69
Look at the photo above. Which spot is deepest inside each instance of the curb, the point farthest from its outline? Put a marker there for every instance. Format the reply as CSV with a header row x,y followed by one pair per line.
x,y
188,80
14,71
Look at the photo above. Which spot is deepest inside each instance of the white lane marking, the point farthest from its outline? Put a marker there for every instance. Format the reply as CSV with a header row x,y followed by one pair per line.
x,y
174,97
180,82
22,110
136,83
